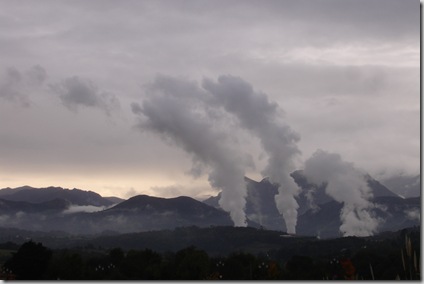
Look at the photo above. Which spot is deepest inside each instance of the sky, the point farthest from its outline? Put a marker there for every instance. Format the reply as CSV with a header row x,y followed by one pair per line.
x,y
77,78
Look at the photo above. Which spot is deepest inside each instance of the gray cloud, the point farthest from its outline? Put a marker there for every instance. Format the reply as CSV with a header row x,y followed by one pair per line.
x,y
347,185
265,120
130,193
372,20
169,191
36,75
76,92
17,86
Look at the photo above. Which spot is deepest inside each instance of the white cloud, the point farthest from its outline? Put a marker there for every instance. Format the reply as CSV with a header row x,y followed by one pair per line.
x,y
413,214
84,208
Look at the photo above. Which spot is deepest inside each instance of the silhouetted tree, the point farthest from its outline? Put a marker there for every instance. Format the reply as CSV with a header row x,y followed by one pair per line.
x,y
239,266
142,265
30,261
117,256
191,264
66,266
300,268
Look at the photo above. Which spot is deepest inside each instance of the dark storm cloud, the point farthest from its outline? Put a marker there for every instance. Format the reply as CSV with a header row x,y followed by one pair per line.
x,y
17,86
76,92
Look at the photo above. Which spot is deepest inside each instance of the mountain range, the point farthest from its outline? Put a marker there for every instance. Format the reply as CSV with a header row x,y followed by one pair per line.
x,y
38,195
85,212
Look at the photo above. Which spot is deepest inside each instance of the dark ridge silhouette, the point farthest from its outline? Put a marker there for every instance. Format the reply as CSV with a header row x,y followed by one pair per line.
x,y
38,195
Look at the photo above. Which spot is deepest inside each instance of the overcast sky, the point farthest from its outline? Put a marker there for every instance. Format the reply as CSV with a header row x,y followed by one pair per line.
x,y
345,75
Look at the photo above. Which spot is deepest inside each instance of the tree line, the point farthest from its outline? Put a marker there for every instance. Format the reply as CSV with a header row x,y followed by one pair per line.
x,y
385,260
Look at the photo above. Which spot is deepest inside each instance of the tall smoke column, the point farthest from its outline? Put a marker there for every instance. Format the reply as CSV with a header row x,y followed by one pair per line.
x,y
264,119
177,110
347,185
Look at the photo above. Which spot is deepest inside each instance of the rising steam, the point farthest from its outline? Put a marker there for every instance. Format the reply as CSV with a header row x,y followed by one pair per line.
x,y
177,110
263,119
193,117
347,185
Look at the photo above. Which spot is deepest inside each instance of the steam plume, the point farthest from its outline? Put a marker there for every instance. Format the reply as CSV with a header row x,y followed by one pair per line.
x,y
177,110
264,120
346,184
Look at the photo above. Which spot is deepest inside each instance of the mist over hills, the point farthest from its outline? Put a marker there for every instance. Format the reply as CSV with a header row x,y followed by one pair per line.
x,y
84,212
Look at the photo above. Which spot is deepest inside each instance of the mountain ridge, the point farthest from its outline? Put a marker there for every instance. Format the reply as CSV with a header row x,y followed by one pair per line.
x,y
39,195
86,212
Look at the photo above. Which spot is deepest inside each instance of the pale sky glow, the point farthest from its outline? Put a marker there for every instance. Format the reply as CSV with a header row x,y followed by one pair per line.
x,y
345,73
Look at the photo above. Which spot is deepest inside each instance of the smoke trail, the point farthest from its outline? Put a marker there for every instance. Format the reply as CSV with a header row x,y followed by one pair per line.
x,y
347,185
177,110
263,119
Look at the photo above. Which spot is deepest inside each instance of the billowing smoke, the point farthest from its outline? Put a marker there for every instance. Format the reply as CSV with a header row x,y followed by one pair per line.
x,y
177,110
264,119
347,185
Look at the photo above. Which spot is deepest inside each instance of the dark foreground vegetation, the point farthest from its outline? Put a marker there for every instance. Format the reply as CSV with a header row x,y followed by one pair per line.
x,y
388,256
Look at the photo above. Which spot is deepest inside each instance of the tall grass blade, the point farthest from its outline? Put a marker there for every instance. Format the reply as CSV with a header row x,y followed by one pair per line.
x,y
372,272
415,261
403,260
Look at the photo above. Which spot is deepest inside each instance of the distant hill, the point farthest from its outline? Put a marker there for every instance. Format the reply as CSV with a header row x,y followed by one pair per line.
x,y
22,207
39,195
8,190
114,199
143,213
214,239
139,213
84,212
